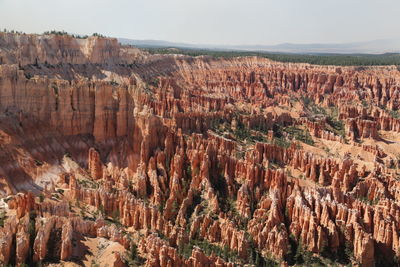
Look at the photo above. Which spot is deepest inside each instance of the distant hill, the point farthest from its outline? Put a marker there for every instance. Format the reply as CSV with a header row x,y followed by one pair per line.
x,y
370,47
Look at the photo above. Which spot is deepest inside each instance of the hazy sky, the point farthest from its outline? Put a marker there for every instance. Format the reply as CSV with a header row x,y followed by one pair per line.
x,y
211,21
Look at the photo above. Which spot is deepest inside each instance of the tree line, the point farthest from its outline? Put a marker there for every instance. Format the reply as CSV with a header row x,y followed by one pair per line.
x,y
318,59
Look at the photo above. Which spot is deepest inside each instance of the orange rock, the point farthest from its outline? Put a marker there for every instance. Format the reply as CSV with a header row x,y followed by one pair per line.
x,y
95,165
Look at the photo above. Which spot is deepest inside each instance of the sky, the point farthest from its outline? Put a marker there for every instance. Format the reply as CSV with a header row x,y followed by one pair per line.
x,y
222,22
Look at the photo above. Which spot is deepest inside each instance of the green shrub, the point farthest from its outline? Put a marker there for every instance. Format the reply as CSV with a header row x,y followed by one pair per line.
x,y
208,248
132,257
2,218
41,197
60,191
38,162
115,215
98,35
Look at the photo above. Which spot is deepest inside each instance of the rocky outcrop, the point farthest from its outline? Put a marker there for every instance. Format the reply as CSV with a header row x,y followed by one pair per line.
x,y
22,203
6,237
361,128
25,49
23,240
66,239
95,165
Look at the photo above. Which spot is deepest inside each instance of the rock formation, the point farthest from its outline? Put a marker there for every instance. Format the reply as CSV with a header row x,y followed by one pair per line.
x,y
171,160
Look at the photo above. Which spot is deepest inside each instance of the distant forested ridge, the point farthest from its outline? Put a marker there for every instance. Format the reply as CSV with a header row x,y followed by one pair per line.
x,y
318,59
